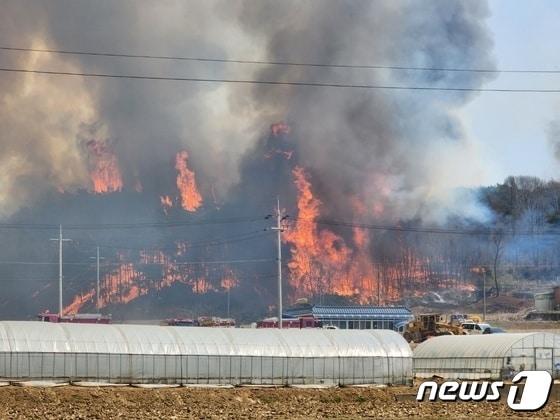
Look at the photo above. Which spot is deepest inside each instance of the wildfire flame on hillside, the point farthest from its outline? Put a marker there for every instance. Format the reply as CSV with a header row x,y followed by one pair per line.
x,y
191,199
321,261
128,282
166,203
105,173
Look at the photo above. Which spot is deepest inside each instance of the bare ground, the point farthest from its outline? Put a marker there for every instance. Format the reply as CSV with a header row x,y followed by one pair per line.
x,y
239,403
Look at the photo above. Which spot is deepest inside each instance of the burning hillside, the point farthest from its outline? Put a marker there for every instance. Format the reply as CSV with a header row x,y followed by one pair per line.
x,y
104,168
322,260
141,167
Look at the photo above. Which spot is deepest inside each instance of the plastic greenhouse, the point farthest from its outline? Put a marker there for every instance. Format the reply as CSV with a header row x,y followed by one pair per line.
x,y
492,356
196,355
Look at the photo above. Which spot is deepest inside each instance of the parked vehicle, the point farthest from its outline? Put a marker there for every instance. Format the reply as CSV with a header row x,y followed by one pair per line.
x,y
75,319
425,326
474,327
303,322
493,330
202,321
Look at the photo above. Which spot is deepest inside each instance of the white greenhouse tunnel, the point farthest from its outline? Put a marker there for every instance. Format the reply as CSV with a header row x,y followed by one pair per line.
x,y
492,356
143,354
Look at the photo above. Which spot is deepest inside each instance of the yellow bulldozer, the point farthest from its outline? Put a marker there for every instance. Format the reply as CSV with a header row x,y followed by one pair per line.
x,y
424,326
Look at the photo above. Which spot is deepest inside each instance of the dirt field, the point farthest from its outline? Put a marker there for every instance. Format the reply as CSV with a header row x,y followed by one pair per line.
x,y
242,403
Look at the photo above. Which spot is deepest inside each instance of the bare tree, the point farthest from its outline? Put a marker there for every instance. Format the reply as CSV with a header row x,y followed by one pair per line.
x,y
498,241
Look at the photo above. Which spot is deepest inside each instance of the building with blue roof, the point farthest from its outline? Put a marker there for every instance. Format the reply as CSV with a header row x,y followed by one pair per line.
x,y
354,317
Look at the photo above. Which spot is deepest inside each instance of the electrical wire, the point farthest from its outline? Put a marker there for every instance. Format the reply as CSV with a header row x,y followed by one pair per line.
x,y
192,245
277,83
240,261
139,225
475,232
328,222
278,63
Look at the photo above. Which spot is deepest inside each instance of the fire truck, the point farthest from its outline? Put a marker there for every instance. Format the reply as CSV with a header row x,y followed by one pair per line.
x,y
302,322
202,321
76,318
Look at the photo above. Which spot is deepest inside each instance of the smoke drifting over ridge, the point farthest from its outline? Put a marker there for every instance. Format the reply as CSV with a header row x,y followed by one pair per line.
x,y
403,151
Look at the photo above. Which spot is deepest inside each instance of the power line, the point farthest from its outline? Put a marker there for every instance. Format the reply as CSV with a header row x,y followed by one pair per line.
x,y
328,222
40,263
138,225
277,83
476,232
201,244
279,63
242,261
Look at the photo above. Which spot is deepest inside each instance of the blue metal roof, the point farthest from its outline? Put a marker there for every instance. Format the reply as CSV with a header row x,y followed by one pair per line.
x,y
351,312
363,312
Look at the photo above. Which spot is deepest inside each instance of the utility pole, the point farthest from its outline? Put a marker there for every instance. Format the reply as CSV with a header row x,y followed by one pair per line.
x,y
229,288
279,230
60,240
98,290
484,295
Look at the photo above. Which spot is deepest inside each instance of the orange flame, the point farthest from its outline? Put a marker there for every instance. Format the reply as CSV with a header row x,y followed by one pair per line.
x,y
125,283
229,282
78,302
280,128
166,203
105,173
191,199
321,261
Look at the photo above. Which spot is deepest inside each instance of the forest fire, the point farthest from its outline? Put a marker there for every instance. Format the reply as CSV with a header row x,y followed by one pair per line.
x,y
129,281
191,199
105,173
321,261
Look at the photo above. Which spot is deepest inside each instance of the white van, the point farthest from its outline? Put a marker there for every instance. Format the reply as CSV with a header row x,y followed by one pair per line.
x,y
474,328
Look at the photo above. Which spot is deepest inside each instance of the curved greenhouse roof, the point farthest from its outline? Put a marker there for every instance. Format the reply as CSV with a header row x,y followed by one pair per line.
x,y
484,345
197,355
34,337
486,356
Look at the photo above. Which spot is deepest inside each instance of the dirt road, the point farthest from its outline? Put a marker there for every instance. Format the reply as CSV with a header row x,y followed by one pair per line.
x,y
238,403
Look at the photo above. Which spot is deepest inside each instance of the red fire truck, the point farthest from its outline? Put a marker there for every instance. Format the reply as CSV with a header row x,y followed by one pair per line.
x,y
77,318
302,322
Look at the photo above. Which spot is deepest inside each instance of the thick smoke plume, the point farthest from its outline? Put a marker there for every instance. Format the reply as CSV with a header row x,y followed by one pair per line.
x,y
402,152
78,150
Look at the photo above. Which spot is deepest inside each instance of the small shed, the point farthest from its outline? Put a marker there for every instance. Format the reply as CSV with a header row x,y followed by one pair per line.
x,y
491,356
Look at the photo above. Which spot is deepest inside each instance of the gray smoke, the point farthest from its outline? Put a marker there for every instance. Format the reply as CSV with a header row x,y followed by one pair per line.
x,y
405,151
554,137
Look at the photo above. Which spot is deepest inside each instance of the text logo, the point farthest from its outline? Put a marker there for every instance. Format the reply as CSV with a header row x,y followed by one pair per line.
x,y
533,397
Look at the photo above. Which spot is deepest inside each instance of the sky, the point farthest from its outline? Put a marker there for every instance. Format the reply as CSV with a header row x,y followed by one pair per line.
x,y
512,128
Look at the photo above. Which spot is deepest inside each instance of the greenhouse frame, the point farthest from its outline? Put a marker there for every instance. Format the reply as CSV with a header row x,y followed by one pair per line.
x,y
196,355
488,356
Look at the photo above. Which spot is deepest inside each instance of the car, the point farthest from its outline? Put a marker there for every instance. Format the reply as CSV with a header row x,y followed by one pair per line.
x,y
474,328
493,330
